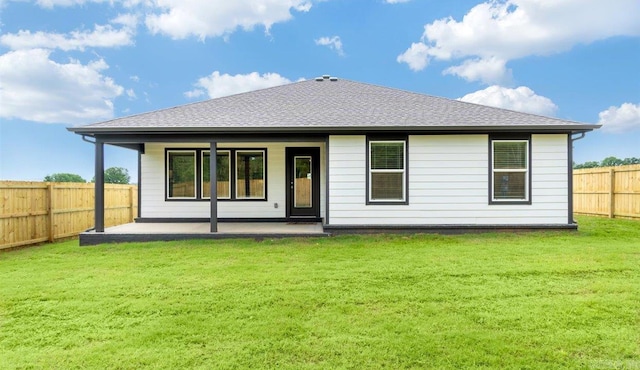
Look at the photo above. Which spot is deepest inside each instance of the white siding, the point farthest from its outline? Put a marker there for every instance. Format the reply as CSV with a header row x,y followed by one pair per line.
x,y
154,205
448,183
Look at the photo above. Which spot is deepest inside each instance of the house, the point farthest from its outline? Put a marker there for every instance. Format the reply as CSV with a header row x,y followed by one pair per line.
x,y
351,155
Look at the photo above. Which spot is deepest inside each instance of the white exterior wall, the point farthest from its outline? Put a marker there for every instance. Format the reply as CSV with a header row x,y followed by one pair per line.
x,y
448,183
154,205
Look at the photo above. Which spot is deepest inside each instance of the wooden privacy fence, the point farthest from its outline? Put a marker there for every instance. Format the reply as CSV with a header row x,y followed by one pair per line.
x,y
34,212
607,191
187,189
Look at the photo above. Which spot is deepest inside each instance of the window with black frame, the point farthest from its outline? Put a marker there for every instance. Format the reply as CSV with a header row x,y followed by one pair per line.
x,y
250,182
223,178
240,174
181,174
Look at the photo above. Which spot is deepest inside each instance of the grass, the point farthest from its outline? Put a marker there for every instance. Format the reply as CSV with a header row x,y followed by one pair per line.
x,y
533,300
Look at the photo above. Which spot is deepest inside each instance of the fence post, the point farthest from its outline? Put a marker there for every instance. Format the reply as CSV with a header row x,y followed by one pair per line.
x,y
50,209
131,211
612,192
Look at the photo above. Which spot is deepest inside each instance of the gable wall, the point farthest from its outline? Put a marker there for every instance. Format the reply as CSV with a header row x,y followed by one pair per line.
x,y
154,205
448,183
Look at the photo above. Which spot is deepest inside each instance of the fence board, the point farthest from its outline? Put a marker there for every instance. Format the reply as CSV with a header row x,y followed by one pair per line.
x,y
607,191
34,212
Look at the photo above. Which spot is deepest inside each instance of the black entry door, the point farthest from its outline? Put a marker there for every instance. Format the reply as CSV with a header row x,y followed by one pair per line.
x,y
303,182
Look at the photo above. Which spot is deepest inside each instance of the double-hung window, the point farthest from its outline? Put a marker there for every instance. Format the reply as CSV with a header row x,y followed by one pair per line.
x,y
387,171
510,171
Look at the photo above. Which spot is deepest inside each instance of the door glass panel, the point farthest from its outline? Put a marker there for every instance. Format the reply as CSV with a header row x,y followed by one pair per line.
x,y
302,182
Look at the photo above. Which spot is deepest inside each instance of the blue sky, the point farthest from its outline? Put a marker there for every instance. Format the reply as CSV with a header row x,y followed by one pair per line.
x,y
71,62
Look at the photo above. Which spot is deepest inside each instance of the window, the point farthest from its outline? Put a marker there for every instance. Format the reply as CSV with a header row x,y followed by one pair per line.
x,y
223,179
387,171
181,174
240,174
250,175
510,179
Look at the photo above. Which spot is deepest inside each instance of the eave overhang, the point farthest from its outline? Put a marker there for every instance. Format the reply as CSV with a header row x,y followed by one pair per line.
x,y
155,132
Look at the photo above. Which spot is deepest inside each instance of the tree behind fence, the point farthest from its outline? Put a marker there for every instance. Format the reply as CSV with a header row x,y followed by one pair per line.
x,y
34,212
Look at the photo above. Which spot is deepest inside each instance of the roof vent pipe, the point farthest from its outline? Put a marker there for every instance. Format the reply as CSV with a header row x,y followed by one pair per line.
x,y
326,77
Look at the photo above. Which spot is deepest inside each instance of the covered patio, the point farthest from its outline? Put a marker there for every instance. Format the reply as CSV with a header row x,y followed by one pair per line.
x,y
144,232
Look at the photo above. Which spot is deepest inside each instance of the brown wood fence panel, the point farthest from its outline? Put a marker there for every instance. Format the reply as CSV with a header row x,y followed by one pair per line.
x,y
34,212
256,188
223,189
303,192
607,191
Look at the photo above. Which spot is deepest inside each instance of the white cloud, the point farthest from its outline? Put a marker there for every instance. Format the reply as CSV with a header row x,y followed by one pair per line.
x,y
217,85
489,71
417,56
521,99
102,36
129,21
620,119
49,4
333,43
35,88
396,1
195,93
52,3
511,29
180,19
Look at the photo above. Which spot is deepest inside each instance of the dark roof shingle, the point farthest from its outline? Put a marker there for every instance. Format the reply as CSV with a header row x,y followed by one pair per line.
x,y
327,106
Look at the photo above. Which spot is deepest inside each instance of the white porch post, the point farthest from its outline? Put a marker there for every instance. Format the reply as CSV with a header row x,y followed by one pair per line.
x,y
213,180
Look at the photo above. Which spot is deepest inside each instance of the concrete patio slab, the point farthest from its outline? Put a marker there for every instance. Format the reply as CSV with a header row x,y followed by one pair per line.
x,y
223,228
138,232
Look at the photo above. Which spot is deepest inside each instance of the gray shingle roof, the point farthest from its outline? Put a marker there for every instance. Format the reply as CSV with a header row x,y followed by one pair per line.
x,y
330,106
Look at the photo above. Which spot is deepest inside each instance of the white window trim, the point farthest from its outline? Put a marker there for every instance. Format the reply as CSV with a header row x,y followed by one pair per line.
x,y
208,196
403,172
264,175
195,168
526,171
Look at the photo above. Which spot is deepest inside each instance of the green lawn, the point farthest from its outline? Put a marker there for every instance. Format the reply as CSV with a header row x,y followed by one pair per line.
x,y
532,300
